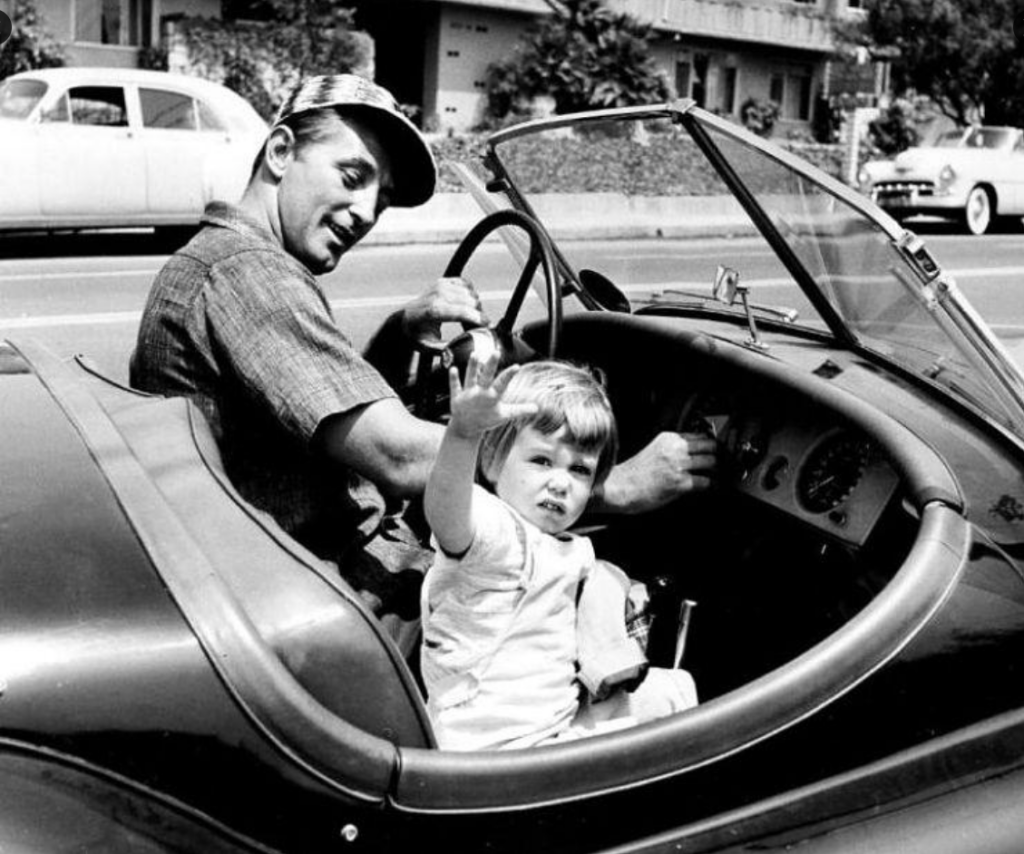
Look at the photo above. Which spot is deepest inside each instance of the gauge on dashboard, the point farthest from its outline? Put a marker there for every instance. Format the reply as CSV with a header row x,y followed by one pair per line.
x,y
832,471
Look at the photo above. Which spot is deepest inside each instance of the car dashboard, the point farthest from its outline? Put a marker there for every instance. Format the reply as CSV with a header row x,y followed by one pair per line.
x,y
807,518
796,459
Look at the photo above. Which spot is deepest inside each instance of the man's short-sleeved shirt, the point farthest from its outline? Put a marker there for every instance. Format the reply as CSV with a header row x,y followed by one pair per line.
x,y
243,329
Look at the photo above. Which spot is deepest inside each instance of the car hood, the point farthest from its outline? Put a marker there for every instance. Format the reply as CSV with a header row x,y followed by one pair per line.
x,y
928,161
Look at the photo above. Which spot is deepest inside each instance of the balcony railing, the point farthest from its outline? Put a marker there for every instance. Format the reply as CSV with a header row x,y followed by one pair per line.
x,y
776,22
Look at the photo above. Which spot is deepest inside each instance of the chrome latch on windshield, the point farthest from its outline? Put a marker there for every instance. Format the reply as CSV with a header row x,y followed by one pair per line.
x,y
918,256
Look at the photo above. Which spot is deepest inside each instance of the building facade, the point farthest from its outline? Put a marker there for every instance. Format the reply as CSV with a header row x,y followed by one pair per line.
x,y
721,53
434,54
111,32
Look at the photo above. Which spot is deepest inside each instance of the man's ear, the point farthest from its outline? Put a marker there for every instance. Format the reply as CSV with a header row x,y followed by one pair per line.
x,y
279,151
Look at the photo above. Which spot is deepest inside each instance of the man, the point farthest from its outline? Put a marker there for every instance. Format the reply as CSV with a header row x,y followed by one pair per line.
x,y
310,430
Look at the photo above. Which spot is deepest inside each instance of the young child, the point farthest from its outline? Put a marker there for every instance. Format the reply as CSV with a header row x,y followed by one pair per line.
x,y
499,656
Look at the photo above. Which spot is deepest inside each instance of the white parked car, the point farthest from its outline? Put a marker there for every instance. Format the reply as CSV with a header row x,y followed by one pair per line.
x,y
975,175
114,147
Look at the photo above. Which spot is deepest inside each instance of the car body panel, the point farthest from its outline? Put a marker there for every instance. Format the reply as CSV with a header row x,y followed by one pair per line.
x,y
161,147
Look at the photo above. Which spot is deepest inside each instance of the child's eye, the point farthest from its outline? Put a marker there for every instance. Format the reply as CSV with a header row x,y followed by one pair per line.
x,y
582,470
540,460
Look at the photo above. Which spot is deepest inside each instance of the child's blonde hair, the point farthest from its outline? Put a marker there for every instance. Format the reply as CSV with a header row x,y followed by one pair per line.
x,y
566,396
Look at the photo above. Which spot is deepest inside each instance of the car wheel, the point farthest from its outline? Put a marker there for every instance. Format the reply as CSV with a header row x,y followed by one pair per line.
x,y
978,213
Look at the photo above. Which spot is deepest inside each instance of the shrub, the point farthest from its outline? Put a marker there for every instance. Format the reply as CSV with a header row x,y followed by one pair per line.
x,y
669,165
894,130
263,60
759,116
30,45
584,56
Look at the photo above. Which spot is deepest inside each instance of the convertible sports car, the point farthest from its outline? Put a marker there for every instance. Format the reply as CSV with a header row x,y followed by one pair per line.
x,y
177,674
974,175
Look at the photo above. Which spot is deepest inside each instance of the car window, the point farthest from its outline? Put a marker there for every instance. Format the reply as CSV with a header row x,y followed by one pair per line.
x,y
19,97
950,139
208,119
98,105
167,110
58,111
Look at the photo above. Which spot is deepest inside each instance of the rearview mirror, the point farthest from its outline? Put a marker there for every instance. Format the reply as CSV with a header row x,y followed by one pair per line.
x,y
726,285
604,291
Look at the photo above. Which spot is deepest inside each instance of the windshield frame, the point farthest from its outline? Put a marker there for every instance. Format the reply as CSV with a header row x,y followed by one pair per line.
x,y
925,281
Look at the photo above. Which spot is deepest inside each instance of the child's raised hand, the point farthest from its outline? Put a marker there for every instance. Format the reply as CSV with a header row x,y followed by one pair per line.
x,y
478,406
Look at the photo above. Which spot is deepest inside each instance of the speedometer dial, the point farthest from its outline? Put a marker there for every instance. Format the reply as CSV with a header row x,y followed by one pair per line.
x,y
832,471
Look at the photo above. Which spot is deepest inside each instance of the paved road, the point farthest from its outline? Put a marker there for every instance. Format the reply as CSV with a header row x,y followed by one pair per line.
x,y
87,296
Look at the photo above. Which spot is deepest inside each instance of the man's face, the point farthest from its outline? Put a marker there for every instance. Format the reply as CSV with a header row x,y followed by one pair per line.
x,y
331,192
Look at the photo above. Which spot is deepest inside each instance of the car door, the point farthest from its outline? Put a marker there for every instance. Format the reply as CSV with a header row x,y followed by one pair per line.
x,y
94,165
182,136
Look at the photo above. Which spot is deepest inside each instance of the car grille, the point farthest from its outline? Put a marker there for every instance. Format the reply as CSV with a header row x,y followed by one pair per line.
x,y
904,188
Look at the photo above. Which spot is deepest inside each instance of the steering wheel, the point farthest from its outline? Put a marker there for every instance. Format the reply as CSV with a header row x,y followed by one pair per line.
x,y
500,334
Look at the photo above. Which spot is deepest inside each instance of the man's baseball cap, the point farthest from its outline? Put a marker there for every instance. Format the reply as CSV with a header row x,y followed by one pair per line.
x,y
413,169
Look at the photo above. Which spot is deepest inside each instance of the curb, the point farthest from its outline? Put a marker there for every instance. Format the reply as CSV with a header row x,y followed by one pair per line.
x,y
571,216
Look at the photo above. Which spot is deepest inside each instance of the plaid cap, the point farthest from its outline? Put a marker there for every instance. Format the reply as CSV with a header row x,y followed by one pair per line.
x,y
412,164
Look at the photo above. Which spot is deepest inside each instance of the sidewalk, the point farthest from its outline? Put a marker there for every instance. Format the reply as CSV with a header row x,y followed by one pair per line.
x,y
571,216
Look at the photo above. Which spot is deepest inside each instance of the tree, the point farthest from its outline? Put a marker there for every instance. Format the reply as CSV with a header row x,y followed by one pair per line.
x,y
960,53
262,47
584,56
30,45
317,34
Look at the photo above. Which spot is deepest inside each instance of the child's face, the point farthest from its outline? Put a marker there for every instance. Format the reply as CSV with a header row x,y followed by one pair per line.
x,y
547,479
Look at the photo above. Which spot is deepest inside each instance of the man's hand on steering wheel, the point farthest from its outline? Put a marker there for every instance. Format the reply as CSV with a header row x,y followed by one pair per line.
x,y
671,465
451,299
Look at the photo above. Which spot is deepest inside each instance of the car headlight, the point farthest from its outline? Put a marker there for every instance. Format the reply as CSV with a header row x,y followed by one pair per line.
x,y
947,175
863,178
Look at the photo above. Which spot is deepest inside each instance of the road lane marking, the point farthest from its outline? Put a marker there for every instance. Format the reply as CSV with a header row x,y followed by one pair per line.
x,y
964,273
114,317
89,274
364,303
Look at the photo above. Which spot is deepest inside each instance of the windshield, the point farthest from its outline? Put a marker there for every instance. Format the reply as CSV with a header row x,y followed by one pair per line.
x,y
19,97
652,172
647,176
977,137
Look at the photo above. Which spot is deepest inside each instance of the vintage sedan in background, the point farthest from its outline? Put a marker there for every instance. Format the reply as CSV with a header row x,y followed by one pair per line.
x,y
974,175
114,147
178,674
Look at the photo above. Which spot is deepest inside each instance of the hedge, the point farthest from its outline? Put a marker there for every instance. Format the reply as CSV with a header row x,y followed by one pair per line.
x,y
665,165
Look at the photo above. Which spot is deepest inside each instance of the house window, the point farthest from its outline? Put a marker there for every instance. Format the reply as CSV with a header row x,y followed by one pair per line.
x,y
682,80
804,97
797,103
727,91
792,92
699,91
113,22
